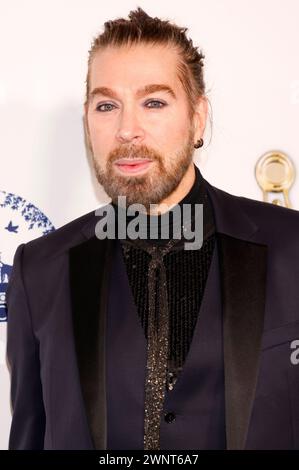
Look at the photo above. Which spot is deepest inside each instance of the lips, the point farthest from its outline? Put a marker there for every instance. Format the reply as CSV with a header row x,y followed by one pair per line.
x,y
126,165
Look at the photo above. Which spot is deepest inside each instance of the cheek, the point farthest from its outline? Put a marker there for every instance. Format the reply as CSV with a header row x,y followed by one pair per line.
x,y
100,135
174,128
95,129
171,139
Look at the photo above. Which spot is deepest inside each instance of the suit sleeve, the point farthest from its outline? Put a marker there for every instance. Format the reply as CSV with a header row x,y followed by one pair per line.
x,y
28,415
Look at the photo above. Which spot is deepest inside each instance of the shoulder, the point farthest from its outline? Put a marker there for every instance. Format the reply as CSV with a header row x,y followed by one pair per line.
x,y
270,214
58,242
276,224
260,211
273,225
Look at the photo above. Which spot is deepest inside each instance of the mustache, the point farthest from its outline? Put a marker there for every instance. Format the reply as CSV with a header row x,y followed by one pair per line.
x,y
133,153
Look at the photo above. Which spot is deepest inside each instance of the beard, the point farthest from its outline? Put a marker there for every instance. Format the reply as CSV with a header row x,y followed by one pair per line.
x,y
154,186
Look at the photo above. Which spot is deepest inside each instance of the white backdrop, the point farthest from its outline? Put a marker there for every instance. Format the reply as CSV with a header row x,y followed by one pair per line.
x,y
252,76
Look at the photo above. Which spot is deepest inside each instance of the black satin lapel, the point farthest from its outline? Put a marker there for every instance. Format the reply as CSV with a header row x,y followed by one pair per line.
x,y
89,267
243,277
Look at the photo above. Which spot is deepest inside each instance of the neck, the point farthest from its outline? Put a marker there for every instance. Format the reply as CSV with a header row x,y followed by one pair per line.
x,y
178,194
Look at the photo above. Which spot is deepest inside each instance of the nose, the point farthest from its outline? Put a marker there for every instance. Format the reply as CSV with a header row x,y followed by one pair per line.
x,y
129,129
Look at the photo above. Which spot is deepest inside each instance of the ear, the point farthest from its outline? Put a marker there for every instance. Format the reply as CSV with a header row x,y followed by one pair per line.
x,y
200,116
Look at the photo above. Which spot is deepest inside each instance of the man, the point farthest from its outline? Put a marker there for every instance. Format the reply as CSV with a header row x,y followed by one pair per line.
x,y
138,342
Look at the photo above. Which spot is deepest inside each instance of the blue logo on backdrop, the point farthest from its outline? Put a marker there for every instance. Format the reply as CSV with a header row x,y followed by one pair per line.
x,y
20,221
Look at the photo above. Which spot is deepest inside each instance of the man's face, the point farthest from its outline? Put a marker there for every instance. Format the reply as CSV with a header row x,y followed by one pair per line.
x,y
142,140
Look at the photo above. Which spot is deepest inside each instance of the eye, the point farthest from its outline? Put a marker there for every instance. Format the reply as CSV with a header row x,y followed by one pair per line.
x,y
157,102
106,107
101,110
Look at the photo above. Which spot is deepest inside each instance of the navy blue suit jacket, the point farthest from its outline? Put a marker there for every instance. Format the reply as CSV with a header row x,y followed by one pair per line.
x,y
56,329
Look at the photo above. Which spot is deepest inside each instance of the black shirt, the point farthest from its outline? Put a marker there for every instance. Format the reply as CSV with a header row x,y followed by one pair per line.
x,y
186,273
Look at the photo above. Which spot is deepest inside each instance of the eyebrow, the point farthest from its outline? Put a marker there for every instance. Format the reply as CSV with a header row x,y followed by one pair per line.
x,y
146,90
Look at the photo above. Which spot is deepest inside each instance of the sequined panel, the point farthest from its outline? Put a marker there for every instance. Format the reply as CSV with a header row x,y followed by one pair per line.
x,y
167,286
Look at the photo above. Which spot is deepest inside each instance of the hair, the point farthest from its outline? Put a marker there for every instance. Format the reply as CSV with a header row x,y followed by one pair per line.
x,y
141,28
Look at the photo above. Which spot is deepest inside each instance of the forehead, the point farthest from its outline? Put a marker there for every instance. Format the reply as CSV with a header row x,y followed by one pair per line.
x,y
132,67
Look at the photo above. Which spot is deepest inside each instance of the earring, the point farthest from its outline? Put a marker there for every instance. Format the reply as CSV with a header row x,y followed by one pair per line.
x,y
198,144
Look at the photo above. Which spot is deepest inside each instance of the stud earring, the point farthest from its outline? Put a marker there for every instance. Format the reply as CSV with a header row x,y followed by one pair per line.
x,y
198,144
